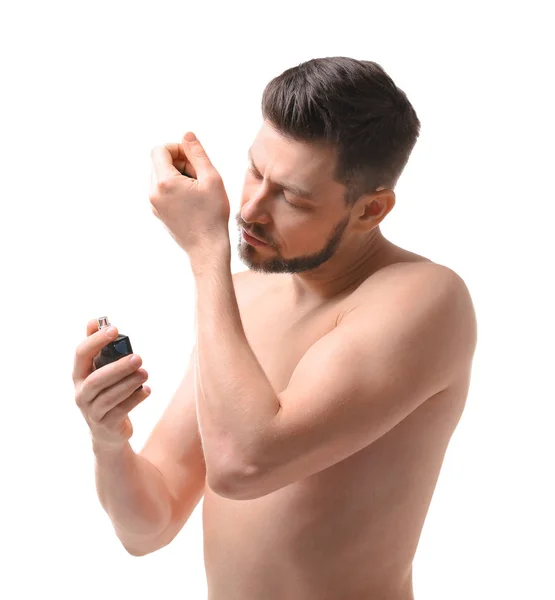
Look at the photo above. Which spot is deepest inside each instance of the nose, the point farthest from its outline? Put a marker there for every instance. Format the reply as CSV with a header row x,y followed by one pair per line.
x,y
256,207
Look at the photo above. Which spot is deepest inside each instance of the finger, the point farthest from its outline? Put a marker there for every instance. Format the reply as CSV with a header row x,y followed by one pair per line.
x,y
88,349
163,158
92,326
113,418
187,170
198,157
125,407
115,395
130,403
180,160
106,377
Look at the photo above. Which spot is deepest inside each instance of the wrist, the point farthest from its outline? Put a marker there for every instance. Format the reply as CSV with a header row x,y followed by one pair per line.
x,y
103,449
208,257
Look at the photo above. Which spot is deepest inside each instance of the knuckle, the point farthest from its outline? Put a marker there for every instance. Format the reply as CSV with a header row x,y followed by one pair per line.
x,y
214,177
164,185
79,400
153,193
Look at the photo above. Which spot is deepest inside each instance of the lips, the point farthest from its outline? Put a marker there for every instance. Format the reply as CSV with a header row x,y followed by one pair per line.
x,y
253,236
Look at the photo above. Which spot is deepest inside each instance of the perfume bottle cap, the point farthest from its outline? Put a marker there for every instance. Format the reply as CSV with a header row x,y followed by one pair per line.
x,y
103,323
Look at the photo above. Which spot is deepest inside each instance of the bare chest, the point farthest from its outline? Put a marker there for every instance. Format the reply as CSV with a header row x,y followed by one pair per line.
x,y
280,337
341,522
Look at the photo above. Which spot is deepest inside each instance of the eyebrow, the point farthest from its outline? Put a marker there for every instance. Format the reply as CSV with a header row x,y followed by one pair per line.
x,y
298,191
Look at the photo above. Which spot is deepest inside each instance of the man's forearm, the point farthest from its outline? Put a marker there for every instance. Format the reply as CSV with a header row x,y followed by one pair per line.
x,y
235,401
133,493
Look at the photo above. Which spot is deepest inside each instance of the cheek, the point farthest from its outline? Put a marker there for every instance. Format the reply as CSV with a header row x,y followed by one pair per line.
x,y
302,232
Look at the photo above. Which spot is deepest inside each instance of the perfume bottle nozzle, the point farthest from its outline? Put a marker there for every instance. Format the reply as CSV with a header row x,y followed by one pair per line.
x,y
103,323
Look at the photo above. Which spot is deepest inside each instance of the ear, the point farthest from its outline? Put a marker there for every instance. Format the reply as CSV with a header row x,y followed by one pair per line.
x,y
373,208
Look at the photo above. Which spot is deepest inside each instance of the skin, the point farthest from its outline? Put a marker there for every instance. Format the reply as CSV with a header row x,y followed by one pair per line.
x,y
351,530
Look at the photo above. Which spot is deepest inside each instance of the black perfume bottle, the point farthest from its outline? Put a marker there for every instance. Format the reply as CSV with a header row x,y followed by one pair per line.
x,y
113,351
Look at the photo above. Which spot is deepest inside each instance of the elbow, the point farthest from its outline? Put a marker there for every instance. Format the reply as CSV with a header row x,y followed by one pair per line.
x,y
135,551
147,549
235,483
142,547
230,474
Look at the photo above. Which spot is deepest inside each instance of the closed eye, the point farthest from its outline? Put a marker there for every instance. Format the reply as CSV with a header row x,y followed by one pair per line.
x,y
257,175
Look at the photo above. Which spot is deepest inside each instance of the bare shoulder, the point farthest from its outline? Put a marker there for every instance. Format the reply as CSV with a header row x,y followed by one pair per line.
x,y
406,273
435,276
409,287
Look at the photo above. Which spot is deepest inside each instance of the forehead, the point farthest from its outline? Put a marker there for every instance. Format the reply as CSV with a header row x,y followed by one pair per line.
x,y
299,162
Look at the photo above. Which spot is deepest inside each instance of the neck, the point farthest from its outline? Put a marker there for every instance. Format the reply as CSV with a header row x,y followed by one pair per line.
x,y
346,270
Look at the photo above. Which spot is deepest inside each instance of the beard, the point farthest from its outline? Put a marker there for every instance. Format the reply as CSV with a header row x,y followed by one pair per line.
x,y
252,255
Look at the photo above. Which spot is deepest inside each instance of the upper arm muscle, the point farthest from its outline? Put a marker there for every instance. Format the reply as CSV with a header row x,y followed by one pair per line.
x,y
378,365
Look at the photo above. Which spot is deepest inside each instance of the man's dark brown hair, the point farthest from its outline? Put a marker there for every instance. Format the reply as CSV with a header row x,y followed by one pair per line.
x,y
353,106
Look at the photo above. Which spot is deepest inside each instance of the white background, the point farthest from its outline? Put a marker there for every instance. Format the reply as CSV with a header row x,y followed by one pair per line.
x,y
90,88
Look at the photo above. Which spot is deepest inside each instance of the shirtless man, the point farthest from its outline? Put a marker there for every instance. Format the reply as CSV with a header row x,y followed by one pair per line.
x,y
314,419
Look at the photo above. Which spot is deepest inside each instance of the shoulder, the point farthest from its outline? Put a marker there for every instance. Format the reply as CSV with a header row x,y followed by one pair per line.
x,y
427,276
411,290
425,280
435,278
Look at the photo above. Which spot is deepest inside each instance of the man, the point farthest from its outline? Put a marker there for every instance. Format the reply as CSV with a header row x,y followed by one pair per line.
x,y
326,381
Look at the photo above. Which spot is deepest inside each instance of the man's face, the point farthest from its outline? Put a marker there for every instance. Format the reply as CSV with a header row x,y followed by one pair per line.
x,y
301,232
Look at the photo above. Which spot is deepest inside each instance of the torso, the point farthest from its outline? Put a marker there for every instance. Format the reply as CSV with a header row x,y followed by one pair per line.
x,y
351,531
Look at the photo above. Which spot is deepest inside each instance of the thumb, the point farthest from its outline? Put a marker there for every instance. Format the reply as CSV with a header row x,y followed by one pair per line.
x,y
197,156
